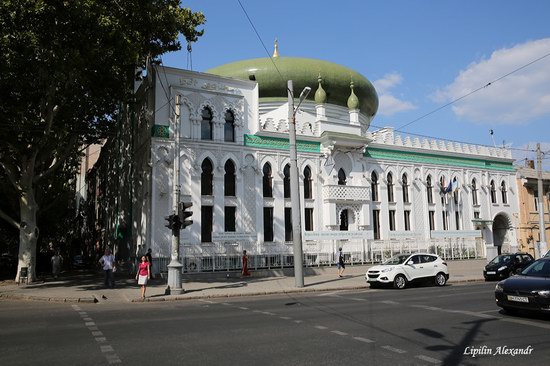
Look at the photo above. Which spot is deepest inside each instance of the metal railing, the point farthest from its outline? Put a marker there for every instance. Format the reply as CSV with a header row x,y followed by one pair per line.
x,y
224,257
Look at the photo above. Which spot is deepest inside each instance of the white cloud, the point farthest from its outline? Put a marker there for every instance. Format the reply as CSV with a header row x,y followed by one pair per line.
x,y
389,104
518,98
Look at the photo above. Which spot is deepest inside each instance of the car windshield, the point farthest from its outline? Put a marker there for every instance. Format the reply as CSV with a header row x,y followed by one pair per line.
x,y
539,268
501,259
397,259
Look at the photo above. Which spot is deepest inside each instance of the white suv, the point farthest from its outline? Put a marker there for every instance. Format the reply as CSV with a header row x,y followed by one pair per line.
x,y
401,269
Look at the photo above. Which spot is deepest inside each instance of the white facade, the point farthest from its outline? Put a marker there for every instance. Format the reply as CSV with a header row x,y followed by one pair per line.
x,y
331,139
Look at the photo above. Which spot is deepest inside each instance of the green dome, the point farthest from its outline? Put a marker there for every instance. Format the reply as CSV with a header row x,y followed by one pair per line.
x,y
303,72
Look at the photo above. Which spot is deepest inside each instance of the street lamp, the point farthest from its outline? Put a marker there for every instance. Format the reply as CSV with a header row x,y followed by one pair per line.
x,y
294,186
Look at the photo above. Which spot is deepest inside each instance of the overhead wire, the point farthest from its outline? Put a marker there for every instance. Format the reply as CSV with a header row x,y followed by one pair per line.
x,y
472,92
262,42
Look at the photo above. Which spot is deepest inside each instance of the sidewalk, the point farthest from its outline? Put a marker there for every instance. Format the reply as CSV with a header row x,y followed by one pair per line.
x,y
87,286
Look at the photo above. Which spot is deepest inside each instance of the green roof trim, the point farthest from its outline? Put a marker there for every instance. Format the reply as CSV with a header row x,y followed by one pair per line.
x,y
281,144
421,158
160,131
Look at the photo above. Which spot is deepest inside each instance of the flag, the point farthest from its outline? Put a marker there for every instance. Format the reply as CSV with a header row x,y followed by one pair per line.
x,y
455,185
449,188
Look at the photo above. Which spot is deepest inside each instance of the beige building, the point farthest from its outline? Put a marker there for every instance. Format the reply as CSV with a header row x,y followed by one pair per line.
x,y
528,231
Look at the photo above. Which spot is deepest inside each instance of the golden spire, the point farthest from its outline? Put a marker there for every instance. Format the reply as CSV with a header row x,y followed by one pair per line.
x,y
276,49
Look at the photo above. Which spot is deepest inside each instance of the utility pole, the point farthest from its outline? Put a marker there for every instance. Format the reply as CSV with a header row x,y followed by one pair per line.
x,y
542,226
174,268
294,184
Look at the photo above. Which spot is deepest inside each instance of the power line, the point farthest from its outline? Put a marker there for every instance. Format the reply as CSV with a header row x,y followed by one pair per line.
x,y
261,41
472,92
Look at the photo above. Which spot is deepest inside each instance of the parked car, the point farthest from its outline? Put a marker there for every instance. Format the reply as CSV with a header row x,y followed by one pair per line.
x,y
547,255
505,265
528,291
402,269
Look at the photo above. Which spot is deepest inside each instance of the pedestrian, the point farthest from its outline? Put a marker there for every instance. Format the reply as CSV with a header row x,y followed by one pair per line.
x,y
57,260
245,265
108,263
143,274
150,260
340,262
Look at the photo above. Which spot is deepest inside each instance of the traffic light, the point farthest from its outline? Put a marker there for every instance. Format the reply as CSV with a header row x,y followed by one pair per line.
x,y
184,214
170,221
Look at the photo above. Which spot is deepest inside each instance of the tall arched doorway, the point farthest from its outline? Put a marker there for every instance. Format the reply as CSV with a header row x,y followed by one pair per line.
x,y
501,226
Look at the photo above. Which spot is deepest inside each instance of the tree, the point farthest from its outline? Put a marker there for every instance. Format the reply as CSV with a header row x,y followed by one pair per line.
x,y
65,69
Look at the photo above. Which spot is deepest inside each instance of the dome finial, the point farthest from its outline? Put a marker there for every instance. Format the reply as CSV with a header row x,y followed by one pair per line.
x,y
276,49
353,101
320,94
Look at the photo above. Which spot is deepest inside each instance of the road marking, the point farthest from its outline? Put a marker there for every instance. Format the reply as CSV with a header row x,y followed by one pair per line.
x,y
357,299
393,349
243,308
105,348
226,304
267,313
298,321
207,301
320,327
428,359
285,317
390,302
333,294
339,333
361,339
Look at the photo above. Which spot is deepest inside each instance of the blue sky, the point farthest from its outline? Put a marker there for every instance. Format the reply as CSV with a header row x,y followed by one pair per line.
x,y
420,55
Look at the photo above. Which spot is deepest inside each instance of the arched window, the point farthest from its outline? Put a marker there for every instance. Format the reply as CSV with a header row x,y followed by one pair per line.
x,y
430,189
341,177
405,183
504,192
308,184
475,201
493,192
374,186
286,181
229,179
229,127
207,178
344,224
390,187
206,124
267,181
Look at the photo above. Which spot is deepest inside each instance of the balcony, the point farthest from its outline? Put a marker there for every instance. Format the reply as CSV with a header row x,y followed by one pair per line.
x,y
346,193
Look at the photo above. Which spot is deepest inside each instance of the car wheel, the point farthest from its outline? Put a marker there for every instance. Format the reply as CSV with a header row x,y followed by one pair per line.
x,y
440,279
400,282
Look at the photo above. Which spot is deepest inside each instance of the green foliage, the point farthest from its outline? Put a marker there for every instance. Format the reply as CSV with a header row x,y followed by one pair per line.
x,y
66,67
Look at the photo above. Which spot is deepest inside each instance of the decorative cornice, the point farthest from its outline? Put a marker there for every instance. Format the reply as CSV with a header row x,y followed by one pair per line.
x,y
422,158
280,144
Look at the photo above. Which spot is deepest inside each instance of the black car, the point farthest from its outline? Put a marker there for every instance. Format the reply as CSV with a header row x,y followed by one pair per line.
x,y
528,291
506,265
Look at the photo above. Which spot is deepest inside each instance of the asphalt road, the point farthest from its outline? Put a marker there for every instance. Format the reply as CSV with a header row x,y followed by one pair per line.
x,y
416,326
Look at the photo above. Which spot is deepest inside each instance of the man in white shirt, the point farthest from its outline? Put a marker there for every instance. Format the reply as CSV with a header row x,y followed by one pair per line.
x,y
108,263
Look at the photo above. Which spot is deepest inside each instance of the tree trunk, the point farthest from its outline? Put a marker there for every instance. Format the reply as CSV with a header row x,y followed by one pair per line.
x,y
28,231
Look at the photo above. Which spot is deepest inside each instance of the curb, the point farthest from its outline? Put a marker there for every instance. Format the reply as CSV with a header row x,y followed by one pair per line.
x,y
89,300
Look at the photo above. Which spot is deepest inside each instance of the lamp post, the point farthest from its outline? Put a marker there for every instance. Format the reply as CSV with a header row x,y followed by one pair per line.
x,y
174,267
294,185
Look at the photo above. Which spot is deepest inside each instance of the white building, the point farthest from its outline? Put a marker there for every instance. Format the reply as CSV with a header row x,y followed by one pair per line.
x,y
371,191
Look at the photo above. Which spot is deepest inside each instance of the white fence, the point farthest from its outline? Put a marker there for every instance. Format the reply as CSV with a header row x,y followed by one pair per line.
x,y
227,257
